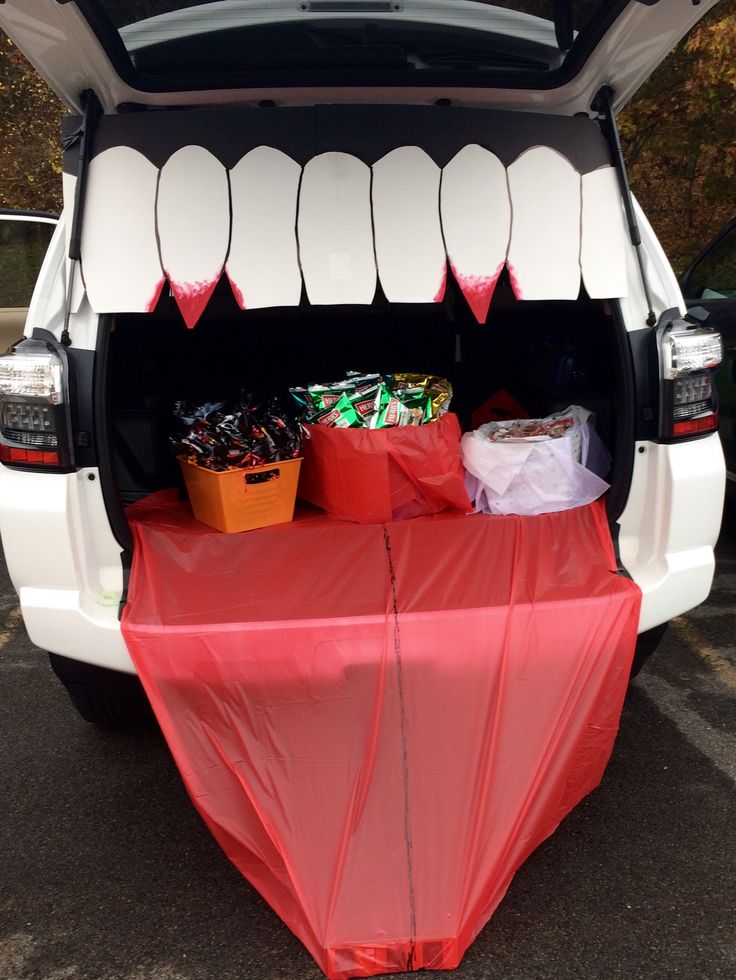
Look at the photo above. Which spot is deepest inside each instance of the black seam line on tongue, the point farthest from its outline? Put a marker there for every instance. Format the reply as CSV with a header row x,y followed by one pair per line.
x,y
404,749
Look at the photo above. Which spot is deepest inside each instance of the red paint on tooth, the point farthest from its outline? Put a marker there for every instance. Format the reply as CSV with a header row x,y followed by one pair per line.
x,y
515,285
440,294
477,290
237,293
192,298
153,301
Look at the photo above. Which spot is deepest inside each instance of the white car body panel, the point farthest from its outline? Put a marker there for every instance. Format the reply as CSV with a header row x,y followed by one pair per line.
x,y
64,563
671,523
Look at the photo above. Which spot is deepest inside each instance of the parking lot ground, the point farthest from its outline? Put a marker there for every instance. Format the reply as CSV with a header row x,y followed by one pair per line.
x,y
107,872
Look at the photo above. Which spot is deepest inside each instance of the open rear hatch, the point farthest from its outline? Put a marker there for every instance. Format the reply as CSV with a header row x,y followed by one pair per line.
x,y
510,54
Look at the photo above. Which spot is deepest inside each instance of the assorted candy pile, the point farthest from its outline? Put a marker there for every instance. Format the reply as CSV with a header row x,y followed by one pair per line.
x,y
371,401
552,427
220,437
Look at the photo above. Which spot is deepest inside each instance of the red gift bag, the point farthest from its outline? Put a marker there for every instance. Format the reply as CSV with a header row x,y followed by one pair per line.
x,y
373,476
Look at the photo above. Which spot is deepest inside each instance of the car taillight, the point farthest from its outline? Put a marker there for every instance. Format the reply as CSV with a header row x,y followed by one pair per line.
x,y
35,424
689,355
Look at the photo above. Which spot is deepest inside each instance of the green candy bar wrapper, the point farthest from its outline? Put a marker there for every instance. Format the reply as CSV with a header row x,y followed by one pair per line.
x,y
340,415
389,410
302,399
362,382
366,402
326,396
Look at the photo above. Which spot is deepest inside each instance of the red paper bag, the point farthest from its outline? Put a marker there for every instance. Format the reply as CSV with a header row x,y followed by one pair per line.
x,y
373,476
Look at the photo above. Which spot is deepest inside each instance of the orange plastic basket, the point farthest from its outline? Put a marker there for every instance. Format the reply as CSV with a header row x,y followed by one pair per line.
x,y
242,499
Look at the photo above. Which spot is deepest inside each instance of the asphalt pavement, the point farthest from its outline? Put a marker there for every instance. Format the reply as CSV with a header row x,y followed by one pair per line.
x,y
107,872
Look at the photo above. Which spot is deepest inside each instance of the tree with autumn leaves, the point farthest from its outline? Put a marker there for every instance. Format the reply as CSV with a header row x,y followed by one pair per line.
x,y
30,147
679,137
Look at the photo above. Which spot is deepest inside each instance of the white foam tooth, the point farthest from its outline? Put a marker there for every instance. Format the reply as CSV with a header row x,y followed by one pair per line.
x,y
604,236
476,221
263,264
410,251
544,251
73,271
335,230
120,261
193,221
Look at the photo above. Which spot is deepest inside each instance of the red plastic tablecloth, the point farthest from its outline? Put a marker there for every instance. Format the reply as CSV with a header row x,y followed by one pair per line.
x,y
380,723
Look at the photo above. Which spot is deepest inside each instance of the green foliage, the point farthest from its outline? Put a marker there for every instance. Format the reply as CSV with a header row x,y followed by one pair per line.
x,y
679,138
30,145
23,246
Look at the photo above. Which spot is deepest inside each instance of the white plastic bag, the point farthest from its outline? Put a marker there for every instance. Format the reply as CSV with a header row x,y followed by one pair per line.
x,y
538,474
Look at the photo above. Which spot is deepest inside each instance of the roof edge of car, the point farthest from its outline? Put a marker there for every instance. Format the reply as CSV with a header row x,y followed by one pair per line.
x,y
23,213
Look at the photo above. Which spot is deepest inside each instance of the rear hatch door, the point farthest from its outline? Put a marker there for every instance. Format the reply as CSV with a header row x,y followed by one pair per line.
x,y
519,54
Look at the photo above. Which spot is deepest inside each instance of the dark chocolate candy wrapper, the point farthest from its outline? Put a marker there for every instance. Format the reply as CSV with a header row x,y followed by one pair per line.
x,y
246,435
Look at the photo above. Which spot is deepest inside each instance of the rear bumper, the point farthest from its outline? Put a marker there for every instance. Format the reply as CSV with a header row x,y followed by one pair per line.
x,y
671,523
57,621
65,563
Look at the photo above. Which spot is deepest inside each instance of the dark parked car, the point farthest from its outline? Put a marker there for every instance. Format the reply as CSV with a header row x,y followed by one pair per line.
x,y
710,283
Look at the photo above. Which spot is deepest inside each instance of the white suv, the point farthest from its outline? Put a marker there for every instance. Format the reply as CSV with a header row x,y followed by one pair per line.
x,y
295,178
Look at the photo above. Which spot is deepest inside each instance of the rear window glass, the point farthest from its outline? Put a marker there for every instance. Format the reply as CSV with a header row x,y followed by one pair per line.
x,y
23,246
715,274
185,38
124,12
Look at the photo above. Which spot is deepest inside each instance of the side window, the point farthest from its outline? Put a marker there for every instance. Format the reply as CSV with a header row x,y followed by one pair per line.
x,y
23,245
714,276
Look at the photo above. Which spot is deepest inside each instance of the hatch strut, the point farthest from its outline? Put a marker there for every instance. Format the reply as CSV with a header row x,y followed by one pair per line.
x,y
602,104
563,24
91,112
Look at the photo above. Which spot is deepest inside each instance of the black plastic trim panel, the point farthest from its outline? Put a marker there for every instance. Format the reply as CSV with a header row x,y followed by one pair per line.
x,y
110,495
83,426
366,131
126,560
646,380
625,421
